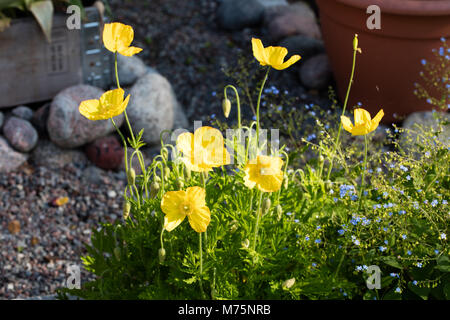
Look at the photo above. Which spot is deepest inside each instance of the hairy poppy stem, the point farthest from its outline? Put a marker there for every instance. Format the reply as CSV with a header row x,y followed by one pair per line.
x,y
355,50
201,264
258,105
258,214
364,172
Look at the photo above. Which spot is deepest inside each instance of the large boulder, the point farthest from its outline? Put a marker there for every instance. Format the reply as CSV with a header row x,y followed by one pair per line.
x,y
152,106
20,134
66,126
130,69
296,19
10,159
315,73
237,14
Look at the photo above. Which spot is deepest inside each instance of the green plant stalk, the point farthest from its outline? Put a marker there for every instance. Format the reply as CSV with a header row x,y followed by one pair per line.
x,y
258,214
343,112
204,177
237,102
201,264
364,171
125,111
258,106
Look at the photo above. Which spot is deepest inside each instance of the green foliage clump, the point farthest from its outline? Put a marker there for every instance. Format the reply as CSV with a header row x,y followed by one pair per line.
x,y
317,235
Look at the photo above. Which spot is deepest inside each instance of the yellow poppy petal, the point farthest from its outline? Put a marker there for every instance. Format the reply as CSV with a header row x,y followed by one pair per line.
x,y
171,204
185,142
89,109
288,63
172,200
108,37
122,107
208,146
376,121
249,172
346,123
129,51
270,183
125,35
200,219
360,130
276,55
258,51
361,116
173,221
196,196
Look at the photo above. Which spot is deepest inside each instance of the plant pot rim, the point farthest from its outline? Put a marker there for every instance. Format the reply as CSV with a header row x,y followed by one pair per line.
x,y
405,7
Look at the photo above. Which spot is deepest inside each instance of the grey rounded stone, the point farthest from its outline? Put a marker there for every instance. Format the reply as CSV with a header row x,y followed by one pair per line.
x,y
23,112
49,155
20,134
130,69
67,128
10,159
315,73
426,121
237,14
304,46
152,106
295,19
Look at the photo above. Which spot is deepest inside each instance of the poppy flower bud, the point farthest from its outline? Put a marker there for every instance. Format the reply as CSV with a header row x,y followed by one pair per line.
x,y
180,184
131,176
245,243
321,159
226,106
161,255
266,205
117,253
355,44
166,173
279,212
157,179
126,210
234,226
289,283
154,188
187,173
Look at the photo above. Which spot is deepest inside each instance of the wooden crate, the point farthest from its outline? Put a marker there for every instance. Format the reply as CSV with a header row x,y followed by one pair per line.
x,y
34,70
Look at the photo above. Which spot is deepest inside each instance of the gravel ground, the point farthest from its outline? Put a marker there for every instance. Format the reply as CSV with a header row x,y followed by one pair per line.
x,y
34,260
182,41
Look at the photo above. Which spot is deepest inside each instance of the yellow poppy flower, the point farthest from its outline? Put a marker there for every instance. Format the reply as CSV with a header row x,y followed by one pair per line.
x,y
191,203
117,37
272,56
111,104
363,122
264,172
203,150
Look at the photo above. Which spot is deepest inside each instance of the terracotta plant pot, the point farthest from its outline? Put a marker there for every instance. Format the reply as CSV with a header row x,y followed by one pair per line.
x,y
390,62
